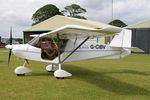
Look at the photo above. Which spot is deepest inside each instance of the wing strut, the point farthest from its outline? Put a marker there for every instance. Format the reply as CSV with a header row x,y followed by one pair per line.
x,y
75,49
58,48
75,41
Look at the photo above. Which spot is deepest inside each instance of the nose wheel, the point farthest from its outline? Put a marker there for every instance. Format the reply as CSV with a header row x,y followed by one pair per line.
x,y
21,70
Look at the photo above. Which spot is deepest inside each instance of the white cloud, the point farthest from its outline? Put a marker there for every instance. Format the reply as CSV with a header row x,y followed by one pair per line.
x,y
132,11
18,13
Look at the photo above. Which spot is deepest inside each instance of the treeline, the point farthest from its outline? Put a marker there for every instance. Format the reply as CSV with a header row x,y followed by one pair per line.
x,y
51,10
73,10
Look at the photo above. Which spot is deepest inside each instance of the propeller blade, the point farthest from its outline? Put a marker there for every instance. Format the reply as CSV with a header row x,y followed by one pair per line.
x,y
9,56
10,50
11,36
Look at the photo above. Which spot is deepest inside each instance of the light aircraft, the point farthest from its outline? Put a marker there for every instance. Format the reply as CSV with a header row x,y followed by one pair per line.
x,y
71,43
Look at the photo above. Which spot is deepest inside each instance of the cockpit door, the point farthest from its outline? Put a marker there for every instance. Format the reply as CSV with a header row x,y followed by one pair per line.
x,y
49,49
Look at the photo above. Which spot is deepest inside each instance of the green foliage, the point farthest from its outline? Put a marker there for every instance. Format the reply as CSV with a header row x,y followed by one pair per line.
x,y
80,17
118,23
45,12
50,10
74,10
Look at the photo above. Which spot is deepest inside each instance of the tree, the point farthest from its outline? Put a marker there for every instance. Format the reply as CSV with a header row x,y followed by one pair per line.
x,y
44,13
118,23
74,10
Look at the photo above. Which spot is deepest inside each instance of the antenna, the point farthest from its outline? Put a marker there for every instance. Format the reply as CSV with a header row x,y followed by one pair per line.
x,y
112,11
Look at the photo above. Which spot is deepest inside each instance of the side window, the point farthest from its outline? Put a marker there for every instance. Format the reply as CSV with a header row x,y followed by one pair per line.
x,y
49,48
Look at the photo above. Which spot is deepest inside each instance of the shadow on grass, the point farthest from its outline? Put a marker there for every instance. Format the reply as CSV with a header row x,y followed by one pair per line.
x,y
1,61
101,80
42,74
129,72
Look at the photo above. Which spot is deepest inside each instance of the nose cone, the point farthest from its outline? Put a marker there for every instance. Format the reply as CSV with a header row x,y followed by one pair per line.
x,y
9,46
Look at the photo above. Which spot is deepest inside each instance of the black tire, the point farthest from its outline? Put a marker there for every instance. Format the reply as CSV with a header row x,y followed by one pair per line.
x,y
20,74
50,71
60,77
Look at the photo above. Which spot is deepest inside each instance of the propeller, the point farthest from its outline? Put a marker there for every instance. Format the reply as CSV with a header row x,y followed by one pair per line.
x,y
10,50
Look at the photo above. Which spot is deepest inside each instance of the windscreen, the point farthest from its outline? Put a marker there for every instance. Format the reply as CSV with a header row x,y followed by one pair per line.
x,y
35,42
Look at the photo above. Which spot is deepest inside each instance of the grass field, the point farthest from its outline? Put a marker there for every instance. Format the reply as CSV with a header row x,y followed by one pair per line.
x,y
121,79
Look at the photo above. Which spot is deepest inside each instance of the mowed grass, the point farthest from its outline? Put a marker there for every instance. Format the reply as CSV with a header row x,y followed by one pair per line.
x,y
118,79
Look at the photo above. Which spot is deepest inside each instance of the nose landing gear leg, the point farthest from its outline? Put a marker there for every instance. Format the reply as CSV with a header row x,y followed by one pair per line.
x,y
22,70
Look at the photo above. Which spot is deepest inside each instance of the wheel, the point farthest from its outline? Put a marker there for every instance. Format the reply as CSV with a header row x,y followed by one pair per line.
x,y
50,71
20,74
60,77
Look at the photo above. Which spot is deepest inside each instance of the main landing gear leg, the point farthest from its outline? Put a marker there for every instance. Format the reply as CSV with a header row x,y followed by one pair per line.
x,y
61,74
21,70
51,68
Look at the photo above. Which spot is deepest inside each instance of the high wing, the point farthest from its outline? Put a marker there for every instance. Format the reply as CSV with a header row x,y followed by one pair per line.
x,y
75,31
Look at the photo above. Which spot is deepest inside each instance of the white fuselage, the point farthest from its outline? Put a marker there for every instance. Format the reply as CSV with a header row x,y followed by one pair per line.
x,y
89,50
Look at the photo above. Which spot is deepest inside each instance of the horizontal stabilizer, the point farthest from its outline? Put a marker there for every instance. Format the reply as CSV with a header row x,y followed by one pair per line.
x,y
135,49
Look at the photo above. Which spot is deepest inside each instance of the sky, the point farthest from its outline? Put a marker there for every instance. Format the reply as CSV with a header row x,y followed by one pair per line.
x,y
18,13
